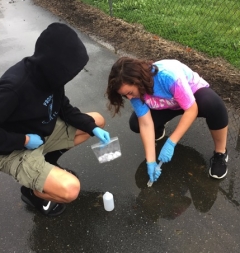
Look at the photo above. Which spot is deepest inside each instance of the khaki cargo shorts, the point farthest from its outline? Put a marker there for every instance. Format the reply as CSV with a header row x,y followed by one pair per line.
x,y
28,167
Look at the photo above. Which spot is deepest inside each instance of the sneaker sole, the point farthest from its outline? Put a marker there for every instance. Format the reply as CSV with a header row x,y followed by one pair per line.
x,y
55,214
215,176
161,136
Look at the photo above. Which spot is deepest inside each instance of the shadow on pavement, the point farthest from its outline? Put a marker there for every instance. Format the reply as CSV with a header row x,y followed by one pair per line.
x,y
182,182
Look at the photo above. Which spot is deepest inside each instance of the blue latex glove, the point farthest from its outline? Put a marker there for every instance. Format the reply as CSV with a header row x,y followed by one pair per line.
x,y
34,142
153,174
167,151
101,134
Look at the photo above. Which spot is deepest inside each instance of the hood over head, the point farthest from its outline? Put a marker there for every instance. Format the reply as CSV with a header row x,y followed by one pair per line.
x,y
59,56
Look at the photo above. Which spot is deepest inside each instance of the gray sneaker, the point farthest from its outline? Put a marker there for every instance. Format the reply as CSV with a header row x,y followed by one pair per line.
x,y
160,134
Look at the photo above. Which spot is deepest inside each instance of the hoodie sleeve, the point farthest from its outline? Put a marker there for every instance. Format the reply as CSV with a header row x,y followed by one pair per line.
x,y
9,141
74,117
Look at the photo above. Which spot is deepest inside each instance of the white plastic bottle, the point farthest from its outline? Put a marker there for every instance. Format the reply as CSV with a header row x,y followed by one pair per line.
x,y
108,201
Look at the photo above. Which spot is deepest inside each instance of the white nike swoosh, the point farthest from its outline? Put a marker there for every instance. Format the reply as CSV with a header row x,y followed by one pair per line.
x,y
47,206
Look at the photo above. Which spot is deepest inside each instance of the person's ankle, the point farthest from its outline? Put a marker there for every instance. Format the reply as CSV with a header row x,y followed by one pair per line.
x,y
221,151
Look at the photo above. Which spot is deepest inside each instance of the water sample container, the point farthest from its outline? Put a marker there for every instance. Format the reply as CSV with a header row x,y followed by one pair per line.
x,y
108,201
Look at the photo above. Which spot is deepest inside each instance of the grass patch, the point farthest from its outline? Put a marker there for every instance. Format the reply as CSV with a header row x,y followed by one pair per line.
x,y
209,26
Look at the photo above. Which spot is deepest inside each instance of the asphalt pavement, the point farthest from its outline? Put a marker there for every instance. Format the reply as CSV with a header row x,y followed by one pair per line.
x,y
184,212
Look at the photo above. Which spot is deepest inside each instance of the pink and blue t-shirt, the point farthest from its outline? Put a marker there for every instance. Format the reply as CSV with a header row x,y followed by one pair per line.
x,y
174,88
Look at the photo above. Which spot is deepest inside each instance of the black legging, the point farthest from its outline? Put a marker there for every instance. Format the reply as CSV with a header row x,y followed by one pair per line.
x,y
210,106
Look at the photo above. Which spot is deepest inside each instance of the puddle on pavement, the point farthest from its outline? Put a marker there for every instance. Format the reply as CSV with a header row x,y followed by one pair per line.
x,y
182,182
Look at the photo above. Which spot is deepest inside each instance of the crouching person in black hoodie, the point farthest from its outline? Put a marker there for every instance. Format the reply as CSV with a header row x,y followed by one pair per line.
x,y
38,123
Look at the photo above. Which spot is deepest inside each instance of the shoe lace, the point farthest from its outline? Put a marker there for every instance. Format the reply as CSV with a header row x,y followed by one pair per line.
x,y
218,158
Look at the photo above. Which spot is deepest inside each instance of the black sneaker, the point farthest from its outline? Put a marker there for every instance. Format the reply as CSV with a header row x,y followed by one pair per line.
x,y
52,157
218,165
46,207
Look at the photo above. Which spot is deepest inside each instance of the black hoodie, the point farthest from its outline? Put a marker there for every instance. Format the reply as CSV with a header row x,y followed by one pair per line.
x,y
32,91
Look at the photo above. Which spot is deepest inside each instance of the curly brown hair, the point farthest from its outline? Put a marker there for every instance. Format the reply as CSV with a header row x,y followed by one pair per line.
x,y
132,72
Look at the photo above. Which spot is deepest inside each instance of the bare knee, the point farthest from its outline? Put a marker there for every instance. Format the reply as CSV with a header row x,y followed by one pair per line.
x,y
60,186
71,189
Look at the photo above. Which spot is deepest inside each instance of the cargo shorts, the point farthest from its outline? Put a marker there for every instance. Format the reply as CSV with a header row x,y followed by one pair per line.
x,y
28,167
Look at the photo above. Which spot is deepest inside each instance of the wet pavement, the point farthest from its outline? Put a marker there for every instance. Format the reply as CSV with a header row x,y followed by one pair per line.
x,y
184,212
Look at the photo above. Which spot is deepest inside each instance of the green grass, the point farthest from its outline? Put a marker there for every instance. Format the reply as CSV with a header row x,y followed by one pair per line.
x,y
209,26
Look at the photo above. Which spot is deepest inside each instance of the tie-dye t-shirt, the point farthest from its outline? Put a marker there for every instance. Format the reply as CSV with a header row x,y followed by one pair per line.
x,y
174,86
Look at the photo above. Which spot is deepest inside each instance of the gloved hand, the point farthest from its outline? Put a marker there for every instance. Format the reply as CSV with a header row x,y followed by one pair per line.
x,y
101,134
153,174
34,142
167,151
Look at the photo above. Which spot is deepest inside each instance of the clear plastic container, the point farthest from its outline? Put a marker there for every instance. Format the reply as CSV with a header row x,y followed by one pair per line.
x,y
108,201
107,152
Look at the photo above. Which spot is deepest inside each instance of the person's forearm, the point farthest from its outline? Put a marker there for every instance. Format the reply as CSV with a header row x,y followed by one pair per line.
x,y
26,140
185,122
148,137
10,141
